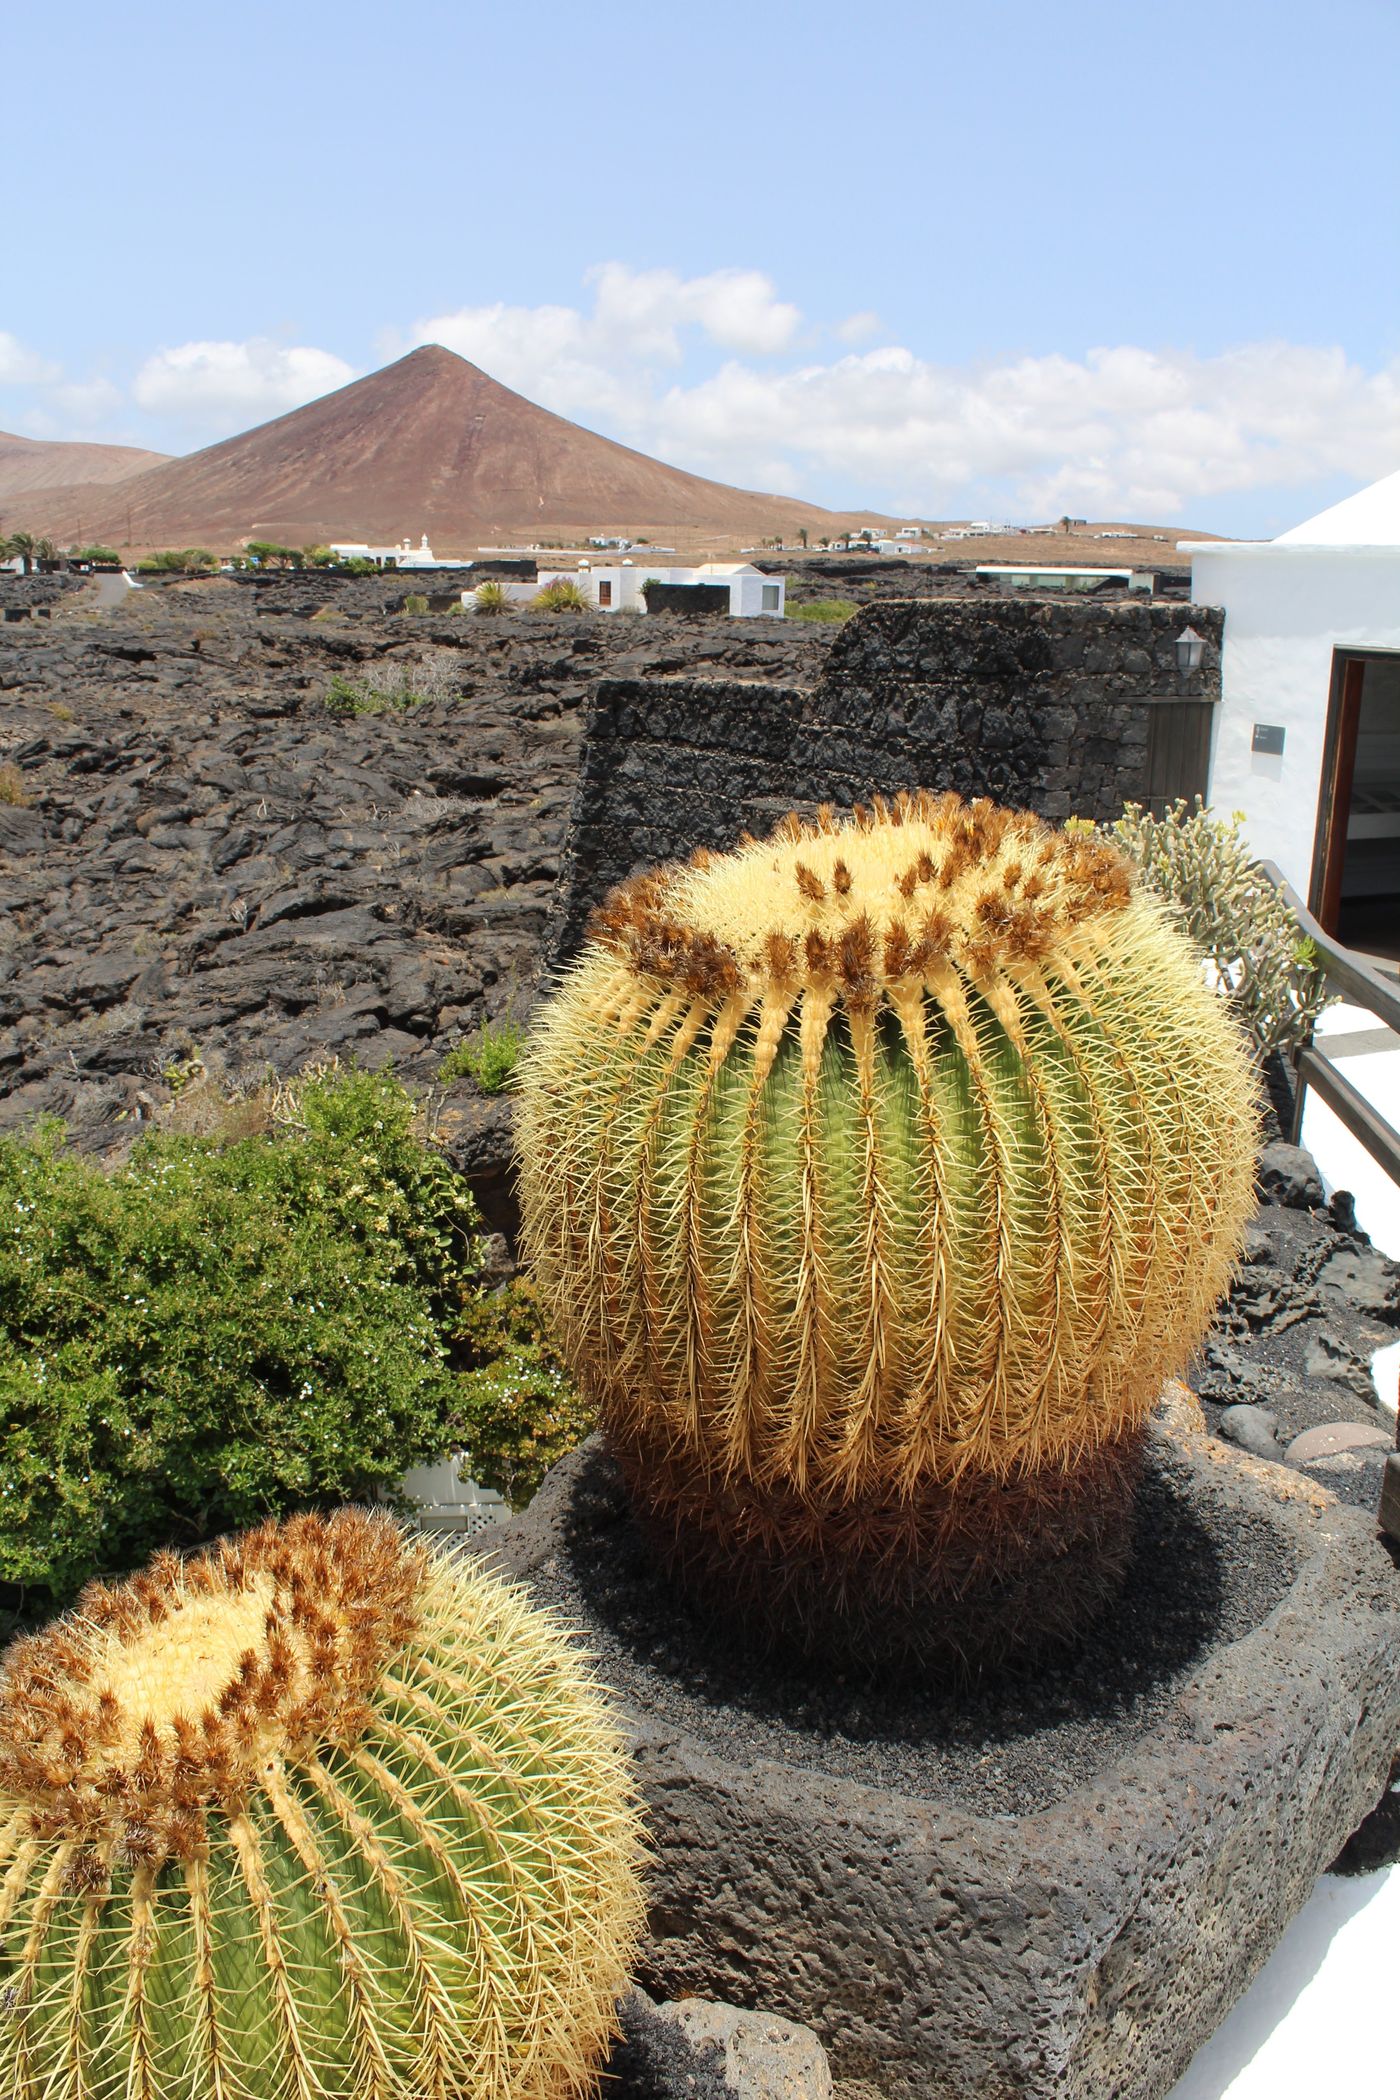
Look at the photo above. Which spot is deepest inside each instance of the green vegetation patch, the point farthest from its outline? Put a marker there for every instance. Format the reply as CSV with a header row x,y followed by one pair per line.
x,y
226,1328
1199,863
519,1409
836,611
489,1057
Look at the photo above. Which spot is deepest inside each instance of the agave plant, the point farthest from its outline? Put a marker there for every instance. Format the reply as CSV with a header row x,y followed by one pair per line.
x,y
875,1175
316,1813
561,595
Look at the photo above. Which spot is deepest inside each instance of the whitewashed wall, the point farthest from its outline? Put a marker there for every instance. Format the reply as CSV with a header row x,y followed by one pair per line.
x,y
745,589
1286,610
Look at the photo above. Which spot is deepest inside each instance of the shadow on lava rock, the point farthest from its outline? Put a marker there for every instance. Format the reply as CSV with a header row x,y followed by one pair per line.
x,y
1205,1571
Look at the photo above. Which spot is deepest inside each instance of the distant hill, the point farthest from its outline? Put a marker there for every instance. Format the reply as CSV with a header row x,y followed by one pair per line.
x,y
31,464
429,444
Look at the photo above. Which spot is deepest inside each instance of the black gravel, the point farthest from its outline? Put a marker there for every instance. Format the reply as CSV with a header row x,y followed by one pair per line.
x,y
1010,1746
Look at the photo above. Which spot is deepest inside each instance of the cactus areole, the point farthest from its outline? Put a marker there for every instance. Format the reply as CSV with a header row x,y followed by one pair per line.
x,y
316,1813
876,1174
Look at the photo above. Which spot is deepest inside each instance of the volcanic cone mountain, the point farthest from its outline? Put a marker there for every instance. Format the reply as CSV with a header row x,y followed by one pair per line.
x,y
430,445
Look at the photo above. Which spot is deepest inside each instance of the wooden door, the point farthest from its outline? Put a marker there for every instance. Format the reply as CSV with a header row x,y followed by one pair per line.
x,y
1178,752
1334,799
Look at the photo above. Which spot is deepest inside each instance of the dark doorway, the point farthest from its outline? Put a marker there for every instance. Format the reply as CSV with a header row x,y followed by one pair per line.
x,y
1178,752
1356,877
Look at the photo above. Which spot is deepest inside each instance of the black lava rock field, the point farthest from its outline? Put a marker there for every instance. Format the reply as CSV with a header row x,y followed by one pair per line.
x,y
242,830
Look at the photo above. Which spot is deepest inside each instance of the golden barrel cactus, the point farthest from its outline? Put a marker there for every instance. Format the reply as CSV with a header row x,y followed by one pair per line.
x,y
876,1174
317,1813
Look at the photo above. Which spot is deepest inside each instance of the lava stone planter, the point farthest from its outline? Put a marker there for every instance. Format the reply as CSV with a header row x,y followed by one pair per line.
x,y
1054,1885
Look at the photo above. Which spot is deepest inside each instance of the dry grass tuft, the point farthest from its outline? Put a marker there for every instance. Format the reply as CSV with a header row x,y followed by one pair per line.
x,y
13,791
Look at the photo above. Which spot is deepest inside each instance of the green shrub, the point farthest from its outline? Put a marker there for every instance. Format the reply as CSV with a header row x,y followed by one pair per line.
x,y
492,597
271,554
106,555
518,1408
394,686
834,610
489,1057
177,560
215,1333
561,596
415,602
1200,864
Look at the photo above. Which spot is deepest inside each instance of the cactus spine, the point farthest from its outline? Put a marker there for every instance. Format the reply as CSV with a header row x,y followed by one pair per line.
x,y
316,1813
877,1174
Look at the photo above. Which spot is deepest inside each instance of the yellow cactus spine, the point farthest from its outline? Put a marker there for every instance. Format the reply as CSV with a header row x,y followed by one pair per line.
x,y
318,1813
877,1173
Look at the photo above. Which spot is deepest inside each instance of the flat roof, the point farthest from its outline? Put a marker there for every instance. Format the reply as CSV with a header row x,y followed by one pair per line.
x,y
1045,568
1292,550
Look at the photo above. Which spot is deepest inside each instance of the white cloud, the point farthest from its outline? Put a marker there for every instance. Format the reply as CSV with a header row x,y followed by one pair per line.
x,y
236,383
21,367
1122,432
586,363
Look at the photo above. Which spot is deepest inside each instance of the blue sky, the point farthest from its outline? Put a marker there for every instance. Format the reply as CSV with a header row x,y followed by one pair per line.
x,y
998,260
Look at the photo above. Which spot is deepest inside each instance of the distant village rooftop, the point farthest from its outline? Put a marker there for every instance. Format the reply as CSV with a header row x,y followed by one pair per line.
x,y
404,555
1061,576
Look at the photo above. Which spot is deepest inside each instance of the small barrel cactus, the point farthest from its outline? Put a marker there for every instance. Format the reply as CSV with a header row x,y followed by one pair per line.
x,y
876,1174
317,1813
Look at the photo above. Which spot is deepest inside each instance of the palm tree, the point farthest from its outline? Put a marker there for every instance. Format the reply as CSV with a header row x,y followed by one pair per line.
x,y
25,546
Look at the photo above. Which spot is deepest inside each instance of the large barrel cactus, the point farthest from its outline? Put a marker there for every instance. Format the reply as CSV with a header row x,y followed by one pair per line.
x,y
876,1174
316,1813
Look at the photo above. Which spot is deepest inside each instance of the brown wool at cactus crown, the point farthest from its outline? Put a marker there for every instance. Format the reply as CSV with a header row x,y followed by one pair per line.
x,y
877,1173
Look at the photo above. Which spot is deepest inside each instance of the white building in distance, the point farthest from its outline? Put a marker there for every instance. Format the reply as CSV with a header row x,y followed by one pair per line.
x,y
402,556
620,586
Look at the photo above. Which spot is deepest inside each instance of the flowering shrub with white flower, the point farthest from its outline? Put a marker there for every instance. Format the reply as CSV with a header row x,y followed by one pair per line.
x,y
217,1332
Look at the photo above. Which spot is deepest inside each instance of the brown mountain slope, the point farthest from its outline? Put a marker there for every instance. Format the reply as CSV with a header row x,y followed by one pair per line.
x,y
28,465
430,444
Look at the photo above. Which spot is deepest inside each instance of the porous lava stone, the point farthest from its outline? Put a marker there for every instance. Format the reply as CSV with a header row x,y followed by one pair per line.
x,y
1049,1883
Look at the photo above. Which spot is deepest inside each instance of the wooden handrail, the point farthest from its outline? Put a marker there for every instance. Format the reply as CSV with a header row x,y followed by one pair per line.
x,y
1339,965
1351,1108
1311,1066
1347,1103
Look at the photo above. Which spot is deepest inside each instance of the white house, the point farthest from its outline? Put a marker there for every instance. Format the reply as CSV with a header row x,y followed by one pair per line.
x,y
1307,736
618,586
1060,576
402,556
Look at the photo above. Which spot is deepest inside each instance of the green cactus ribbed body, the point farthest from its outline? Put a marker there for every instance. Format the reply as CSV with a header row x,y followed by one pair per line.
x,y
874,1168
316,1814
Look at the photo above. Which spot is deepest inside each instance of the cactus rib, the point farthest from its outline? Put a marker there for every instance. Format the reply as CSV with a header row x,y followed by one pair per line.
x,y
316,1814
879,1157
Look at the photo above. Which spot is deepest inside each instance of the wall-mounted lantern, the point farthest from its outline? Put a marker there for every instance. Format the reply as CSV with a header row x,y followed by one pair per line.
x,y
1190,647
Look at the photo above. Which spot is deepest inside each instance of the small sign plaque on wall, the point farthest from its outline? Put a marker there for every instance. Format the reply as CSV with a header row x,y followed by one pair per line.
x,y
1268,738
